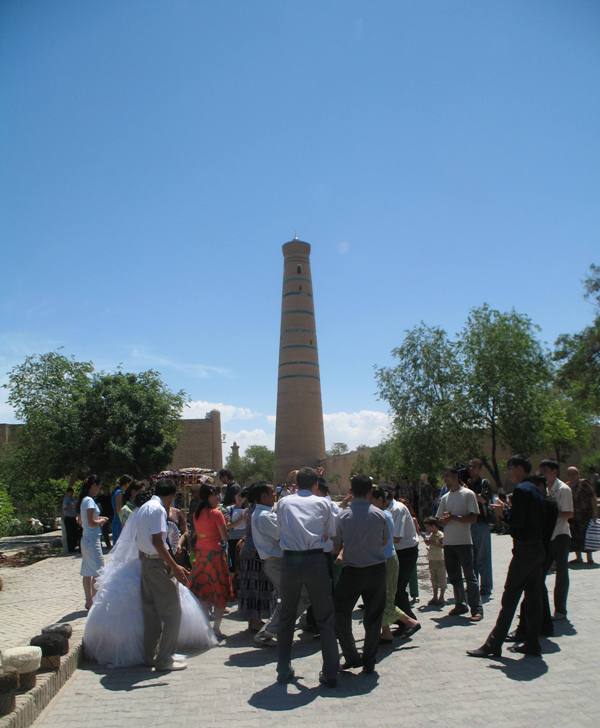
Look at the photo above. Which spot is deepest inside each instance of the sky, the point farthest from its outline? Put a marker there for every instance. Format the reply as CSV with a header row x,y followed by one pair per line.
x,y
154,157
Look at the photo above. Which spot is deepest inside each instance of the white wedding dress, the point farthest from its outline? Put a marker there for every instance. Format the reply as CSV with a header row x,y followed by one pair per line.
x,y
114,630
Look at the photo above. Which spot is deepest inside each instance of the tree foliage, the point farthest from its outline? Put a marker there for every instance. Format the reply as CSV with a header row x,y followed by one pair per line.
x,y
256,464
566,425
78,421
448,396
578,355
338,448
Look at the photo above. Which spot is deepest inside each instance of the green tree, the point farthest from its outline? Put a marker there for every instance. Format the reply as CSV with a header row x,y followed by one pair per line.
x,y
425,393
506,377
7,512
566,425
48,393
338,448
578,355
385,461
447,396
77,421
131,422
257,464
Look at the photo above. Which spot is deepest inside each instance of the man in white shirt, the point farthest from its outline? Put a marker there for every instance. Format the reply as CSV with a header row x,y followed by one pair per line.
x,y
406,543
160,601
458,509
560,542
305,524
265,534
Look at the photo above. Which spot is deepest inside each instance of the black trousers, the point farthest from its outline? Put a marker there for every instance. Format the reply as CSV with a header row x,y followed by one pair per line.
x,y
72,533
311,570
407,558
546,625
525,574
367,582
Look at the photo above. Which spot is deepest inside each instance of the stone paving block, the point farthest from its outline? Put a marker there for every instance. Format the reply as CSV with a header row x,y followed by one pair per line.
x,y
428,677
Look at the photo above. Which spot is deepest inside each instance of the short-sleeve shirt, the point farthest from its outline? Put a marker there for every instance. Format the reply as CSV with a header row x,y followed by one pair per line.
x,y
364,532
236,516
206,525
435,543
562,495
152,519
69,506
404,527
459,502
89,504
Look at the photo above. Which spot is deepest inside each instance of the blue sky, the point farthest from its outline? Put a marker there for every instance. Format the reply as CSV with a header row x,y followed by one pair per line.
x,y
155,155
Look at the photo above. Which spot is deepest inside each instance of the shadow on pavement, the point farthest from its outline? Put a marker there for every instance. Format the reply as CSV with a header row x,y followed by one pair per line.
x,y
448,621
523,670
260,656
127,679
72,616
564,628
276,697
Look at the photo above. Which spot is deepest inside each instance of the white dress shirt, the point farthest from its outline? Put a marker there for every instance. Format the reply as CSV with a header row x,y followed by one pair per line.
x,y
404,527
152,519
265,533
305,521
562,495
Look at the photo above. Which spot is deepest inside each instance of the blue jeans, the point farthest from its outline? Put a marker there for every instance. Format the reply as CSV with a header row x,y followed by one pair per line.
x,y
482,556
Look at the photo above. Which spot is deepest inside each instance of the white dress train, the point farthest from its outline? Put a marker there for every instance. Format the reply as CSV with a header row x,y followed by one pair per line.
x,y
114,629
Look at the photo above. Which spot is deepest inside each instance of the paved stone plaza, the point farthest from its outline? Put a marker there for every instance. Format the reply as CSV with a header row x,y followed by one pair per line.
x,y
34,596
427,679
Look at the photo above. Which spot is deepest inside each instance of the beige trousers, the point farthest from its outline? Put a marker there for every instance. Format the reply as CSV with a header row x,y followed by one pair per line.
x,y
161,610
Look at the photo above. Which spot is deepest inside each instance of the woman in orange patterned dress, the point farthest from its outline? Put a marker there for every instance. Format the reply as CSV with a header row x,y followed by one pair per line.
x,y
211,582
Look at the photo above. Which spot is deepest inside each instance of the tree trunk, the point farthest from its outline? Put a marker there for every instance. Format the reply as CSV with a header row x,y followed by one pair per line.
x,y
493,468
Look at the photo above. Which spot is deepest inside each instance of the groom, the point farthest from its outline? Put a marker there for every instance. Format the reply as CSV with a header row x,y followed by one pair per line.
x,y
160,600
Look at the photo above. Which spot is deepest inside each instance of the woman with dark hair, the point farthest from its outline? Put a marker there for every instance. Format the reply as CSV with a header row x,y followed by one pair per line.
x,y
129,498
380,498
256,596
210,580
413,584
117,504
91,548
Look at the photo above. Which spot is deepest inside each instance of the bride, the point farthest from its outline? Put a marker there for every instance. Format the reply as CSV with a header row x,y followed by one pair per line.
x,y
114,630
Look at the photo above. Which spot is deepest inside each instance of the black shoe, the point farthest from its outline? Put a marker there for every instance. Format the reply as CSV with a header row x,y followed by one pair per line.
x,y
328,682
458,610
514,637
286,677
350,664
368,669
485,651
523,649
411,630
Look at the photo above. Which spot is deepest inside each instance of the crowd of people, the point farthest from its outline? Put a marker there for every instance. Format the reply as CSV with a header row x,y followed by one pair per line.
x,y
293,558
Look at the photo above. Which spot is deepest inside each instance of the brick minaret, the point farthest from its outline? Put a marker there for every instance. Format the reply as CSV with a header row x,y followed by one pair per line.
x,y
299,436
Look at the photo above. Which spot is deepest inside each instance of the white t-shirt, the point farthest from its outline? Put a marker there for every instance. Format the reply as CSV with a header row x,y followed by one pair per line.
x,y
152,519
404,527
562,495
460,502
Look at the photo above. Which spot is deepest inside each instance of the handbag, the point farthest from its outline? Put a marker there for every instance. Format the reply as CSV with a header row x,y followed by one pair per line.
x,y
592,535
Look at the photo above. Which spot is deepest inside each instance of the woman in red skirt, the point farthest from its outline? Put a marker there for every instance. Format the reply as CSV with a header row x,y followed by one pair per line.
x,y
211,582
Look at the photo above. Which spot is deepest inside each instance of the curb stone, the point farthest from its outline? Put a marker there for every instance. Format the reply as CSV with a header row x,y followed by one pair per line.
x,y
48,683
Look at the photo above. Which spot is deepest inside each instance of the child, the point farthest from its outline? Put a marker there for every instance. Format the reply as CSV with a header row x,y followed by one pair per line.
x,y
434,539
